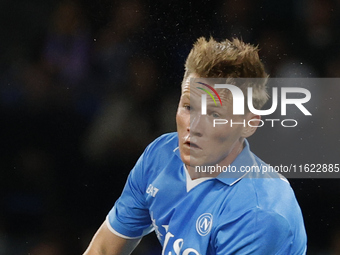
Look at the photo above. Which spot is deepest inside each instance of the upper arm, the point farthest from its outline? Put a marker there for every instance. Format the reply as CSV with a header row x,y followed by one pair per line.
x,y
105,242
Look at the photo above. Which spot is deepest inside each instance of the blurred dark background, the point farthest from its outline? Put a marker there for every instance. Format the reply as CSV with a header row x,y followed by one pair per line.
x,y
86,85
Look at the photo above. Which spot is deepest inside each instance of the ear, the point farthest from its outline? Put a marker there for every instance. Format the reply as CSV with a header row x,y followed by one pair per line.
x,y
252,122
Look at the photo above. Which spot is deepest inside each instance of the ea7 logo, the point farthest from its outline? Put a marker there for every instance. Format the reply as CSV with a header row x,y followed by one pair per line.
x,y
152,190
238,100
204,224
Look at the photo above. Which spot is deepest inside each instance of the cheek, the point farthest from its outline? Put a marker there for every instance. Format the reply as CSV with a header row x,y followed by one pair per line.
x,y
181,120
178,119
225,134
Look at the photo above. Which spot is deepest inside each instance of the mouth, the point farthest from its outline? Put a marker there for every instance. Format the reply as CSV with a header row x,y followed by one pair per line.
x,y
192,145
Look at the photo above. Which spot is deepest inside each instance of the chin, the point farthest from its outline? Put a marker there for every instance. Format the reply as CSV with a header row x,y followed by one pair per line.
x,y
195,162
186,159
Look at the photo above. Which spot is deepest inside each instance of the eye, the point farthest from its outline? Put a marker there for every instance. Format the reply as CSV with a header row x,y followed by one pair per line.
x,y
215,115
187,107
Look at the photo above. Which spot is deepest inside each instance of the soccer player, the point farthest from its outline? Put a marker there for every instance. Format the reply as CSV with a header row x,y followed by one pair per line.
x,y
207,212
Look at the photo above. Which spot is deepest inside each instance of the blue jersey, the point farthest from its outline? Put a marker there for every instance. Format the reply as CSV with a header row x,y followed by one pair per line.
x,y
235,215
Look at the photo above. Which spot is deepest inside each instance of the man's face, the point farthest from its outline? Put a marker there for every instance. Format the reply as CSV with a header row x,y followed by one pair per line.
x,y
199,142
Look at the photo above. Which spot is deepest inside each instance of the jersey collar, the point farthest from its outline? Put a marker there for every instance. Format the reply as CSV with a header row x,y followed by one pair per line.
x,y
245,158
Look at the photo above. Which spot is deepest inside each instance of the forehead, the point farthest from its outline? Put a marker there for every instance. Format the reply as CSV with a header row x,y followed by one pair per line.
x,y
194,85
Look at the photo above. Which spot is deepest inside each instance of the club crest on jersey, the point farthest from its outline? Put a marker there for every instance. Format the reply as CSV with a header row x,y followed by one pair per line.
x,y
204,224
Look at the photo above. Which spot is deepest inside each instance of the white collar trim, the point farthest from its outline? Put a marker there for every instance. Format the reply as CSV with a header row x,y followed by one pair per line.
x,y
193,183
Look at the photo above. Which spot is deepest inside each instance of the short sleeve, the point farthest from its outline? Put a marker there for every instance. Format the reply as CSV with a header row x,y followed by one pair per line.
x,y
256,232
129,218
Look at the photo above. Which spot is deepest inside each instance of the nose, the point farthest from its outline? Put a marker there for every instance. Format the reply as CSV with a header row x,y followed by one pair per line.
x,y
195,126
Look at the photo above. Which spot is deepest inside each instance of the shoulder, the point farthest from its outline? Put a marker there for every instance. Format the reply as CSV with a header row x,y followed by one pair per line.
x,y
161,147
262,206
258,189
156,157
266,194
273,191
267,210
269,192
165,141
161,152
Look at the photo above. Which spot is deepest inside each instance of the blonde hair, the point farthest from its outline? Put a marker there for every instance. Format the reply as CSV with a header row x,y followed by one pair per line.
x,y
229,59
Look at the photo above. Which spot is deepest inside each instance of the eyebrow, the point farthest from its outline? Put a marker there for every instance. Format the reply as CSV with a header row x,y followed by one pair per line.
x,y
186,95
213,105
